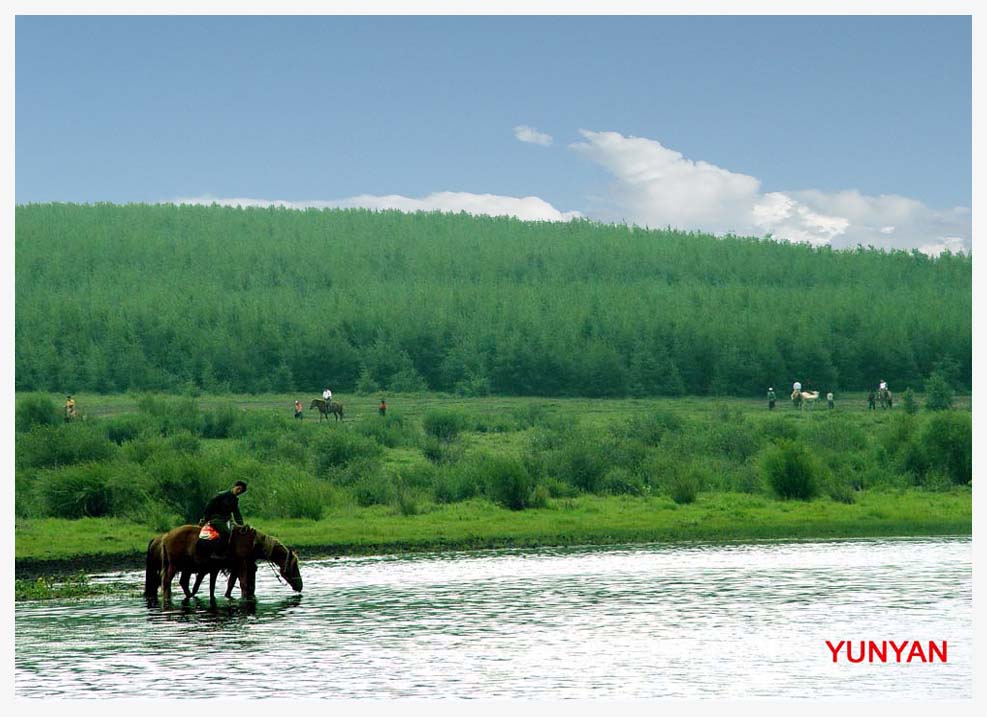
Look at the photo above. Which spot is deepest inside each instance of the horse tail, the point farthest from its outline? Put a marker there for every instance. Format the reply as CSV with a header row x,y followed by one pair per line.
x,y
152,571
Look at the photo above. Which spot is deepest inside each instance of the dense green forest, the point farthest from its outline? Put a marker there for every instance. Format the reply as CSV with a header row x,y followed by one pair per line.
x,y
161,297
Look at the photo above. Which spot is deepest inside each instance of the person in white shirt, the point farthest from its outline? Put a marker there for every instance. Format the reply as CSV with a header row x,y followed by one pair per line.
x,y
327,395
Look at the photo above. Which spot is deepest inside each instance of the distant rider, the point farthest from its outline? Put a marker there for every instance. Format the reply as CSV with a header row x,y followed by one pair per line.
x,y
327,396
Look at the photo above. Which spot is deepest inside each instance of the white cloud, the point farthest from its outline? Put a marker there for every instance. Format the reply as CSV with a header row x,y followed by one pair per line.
x,y
530,134
952,244
528,208
657,186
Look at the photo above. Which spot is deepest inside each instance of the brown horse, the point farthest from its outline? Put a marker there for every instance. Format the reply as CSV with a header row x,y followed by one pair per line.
x,y
327,407
266,547
179,551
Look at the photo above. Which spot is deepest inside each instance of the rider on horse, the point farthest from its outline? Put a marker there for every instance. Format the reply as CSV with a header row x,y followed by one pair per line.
x,y
217,515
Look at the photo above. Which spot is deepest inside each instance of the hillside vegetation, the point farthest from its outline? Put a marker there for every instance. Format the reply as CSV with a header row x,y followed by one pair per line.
x,y
162,297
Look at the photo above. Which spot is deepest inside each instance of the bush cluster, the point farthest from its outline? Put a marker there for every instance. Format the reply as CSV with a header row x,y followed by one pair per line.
x,y
163,463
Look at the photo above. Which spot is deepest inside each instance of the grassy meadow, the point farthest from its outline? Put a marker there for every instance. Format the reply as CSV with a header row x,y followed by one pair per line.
x,y
549,382
443,472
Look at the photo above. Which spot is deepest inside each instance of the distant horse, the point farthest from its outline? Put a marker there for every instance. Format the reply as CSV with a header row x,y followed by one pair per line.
x,y
884,396
327,407
179,551
801,399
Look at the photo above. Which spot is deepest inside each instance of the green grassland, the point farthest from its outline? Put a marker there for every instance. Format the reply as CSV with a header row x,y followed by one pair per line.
x,y
447,472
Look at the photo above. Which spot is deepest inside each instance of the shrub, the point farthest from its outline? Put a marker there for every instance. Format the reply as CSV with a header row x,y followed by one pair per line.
x,y
79,491
62,445
408,500
374,489
530,414
582,464
938,394
453,483
947,441
184,442
284,491
172,414
653,428
791,470
439,452
505,481
392,430
909,402
121,429
276,446
621,481
737,438
684,486
142,448
183,484
443,424
834,432
780,427
36,410
557,488
497,423
219,423
338,447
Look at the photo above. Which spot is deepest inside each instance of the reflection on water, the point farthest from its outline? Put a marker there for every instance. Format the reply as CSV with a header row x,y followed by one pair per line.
x,y
630,622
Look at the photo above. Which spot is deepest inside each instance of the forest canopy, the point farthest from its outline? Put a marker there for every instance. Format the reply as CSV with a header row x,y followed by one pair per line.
x,y
113,298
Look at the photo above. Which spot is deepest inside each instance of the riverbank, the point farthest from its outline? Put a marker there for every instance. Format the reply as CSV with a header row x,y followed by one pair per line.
x,y
51,547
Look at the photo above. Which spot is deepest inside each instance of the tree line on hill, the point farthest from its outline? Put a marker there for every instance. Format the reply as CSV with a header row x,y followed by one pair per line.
x,y
113,298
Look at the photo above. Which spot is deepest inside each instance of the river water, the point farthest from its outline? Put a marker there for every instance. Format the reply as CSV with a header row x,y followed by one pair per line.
x,y
643,621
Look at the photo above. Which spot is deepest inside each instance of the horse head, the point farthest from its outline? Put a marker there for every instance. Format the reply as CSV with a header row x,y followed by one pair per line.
x,y
290,572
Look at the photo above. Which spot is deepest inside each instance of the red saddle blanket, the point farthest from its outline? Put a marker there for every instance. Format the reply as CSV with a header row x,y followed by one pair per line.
x,y
208,533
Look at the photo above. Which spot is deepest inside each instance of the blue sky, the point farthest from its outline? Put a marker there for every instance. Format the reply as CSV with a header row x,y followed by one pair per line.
x,y
831,130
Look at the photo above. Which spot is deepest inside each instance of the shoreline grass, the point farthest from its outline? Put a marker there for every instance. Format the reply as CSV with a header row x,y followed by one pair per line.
x,y
59,546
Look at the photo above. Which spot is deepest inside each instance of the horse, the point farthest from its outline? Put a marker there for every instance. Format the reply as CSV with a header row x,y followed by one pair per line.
x,y
327,407
884,395
178,551
265,547
803,398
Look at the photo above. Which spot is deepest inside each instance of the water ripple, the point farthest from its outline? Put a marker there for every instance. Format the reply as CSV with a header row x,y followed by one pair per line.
x,y
618,622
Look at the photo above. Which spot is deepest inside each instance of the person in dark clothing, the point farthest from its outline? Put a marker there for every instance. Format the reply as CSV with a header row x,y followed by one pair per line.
x,y
382,408
871,400
223,508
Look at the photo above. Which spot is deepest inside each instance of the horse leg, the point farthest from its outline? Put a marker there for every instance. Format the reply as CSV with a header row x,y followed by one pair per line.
x,y
212,584
231,583
183,581
168,574
198,582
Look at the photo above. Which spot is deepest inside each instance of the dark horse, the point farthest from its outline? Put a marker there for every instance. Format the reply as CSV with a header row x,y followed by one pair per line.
x,y
325,408
179,551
